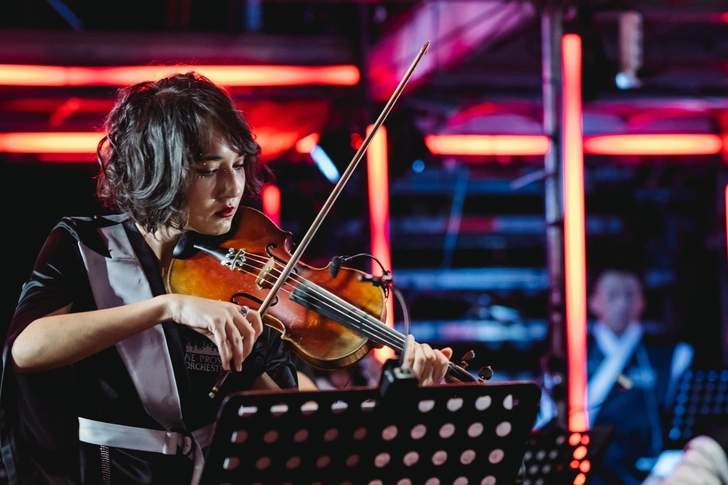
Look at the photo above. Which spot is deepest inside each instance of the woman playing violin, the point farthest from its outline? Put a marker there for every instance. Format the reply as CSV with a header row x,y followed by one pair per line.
x,y
106,376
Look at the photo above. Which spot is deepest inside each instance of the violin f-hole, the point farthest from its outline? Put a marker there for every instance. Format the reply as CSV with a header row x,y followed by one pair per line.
x,y
250,297
270,253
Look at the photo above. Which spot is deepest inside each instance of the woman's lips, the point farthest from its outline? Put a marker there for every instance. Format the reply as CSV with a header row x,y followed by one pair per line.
x,y
227,212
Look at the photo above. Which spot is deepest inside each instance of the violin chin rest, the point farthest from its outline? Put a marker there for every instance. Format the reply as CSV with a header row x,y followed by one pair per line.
x,y
184,247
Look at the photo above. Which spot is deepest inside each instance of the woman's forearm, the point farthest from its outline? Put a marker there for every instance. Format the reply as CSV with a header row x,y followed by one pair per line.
x,y
63,338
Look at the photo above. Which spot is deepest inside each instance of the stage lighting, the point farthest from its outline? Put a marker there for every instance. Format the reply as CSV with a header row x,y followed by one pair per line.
x,y
324,163
630,50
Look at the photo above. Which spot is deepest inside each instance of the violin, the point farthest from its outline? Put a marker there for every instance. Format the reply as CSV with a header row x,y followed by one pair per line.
x,y
329,322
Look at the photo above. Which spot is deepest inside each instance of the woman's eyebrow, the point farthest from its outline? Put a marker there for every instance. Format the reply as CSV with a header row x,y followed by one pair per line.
x,y
210,158
217,158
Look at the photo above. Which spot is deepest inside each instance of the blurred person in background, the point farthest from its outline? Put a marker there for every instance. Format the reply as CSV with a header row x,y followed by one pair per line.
x,y
630,379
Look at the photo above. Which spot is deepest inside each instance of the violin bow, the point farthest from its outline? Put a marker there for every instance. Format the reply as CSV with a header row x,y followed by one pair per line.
x,y
286,271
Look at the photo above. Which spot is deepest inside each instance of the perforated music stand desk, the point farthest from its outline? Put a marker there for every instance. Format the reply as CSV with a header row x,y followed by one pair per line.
x,y
700,403
460,433
554,455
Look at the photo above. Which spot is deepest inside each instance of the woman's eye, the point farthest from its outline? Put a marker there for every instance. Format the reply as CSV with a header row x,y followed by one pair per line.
x,y
240,166
204,173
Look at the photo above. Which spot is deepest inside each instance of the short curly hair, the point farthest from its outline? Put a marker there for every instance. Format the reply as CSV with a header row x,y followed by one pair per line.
x,y
156,131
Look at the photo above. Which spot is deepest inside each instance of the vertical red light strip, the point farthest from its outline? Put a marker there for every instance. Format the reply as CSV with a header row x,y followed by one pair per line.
x,y
378,177
574,238
272,203
724,329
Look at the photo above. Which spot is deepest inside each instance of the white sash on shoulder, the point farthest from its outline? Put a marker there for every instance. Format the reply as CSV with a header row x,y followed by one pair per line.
x,y
682,358
117,281
617,352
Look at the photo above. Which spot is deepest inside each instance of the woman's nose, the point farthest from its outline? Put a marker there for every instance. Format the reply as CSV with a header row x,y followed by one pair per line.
x,y
233,183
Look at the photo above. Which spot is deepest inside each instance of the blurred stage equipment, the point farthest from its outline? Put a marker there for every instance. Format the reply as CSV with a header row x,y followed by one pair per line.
x,y
630,49
552,87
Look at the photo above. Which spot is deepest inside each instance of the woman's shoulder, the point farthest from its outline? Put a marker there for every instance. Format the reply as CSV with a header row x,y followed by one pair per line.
x,y
72,230
80,226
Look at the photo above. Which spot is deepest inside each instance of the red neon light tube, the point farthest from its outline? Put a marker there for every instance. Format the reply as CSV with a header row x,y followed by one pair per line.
x,y
487,144
68,142
27,75
307,143
574,238
378,177
271,197
658,144
681,144
82,143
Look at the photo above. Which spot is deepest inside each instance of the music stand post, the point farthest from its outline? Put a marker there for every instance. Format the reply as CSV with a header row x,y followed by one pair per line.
x,y
454,434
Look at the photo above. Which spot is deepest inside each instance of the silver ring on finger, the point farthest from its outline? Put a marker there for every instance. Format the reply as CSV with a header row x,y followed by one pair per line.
x,y
244,311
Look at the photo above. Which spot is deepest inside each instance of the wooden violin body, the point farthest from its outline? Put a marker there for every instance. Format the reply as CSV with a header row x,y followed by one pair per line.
x,y
243,269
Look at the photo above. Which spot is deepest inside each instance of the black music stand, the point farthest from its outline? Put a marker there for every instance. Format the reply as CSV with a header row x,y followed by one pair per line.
x,y
555,455
701,402
460,433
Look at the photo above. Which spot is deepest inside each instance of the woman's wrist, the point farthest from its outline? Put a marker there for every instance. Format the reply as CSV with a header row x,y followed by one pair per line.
x,y
168,307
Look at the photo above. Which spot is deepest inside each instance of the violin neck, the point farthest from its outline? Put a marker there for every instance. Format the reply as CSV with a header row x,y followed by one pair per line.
x,y
325,303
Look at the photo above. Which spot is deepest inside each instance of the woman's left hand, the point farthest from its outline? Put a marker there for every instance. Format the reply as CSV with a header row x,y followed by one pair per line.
x,y
428,364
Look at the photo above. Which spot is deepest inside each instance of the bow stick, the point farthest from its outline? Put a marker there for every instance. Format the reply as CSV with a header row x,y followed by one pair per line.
x,y
330,201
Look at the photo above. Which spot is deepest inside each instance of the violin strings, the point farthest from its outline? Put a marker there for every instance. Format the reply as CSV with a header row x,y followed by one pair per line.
x,y
351,309
374,329
387,335
312,288
384,333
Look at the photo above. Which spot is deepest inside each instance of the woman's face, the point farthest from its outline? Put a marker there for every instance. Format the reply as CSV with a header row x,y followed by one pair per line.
x,y
217,187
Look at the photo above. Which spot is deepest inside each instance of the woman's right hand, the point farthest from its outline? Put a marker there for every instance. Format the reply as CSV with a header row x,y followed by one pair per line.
x,y
220,321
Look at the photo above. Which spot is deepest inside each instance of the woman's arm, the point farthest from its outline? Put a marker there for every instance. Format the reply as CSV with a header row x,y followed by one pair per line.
x,y
63,338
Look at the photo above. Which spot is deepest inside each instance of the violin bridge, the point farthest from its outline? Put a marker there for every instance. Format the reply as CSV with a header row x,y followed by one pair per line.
x,y
262,280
